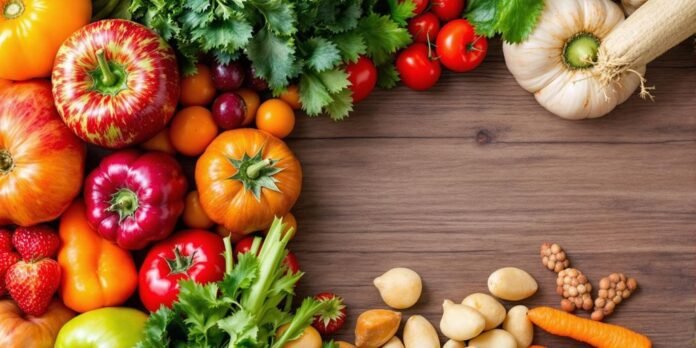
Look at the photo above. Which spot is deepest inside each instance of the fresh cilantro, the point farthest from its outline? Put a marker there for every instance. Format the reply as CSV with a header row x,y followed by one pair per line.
x,y
341,105
401,11
322,54
351,45
382,37
513,19
287,41
387,76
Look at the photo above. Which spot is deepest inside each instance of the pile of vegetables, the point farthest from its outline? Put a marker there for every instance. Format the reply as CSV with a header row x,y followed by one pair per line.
x,y
243,309
285,41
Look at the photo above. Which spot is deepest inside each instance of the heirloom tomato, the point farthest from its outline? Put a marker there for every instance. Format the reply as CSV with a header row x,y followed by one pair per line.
x,y
31,32
19,330
245,178
41,160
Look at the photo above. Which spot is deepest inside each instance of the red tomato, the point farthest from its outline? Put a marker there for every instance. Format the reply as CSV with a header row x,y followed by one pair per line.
x,y
424,28
421,5
363,78
417,68
459,48
191,254
244,246
291,262
448,10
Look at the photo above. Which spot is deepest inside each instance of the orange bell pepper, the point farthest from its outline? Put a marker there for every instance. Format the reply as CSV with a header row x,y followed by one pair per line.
x,y
96,272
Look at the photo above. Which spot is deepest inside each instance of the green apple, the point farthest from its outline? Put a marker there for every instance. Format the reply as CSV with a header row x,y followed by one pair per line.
x,y
111,327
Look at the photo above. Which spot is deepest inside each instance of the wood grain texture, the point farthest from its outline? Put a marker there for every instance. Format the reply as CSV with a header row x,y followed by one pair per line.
x,y
474,175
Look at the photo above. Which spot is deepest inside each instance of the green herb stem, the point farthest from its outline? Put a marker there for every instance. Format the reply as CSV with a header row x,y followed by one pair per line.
x,y
229,259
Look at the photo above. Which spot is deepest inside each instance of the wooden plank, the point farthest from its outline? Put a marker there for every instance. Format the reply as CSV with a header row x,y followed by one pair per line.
x,y
474,176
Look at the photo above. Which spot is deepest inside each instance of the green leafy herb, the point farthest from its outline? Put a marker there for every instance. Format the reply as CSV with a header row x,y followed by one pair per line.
x,y
513,19
286,41
242,310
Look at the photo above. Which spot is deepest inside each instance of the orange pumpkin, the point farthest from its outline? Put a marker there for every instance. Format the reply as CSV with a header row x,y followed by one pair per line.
x,y
245,178
31,31
41,160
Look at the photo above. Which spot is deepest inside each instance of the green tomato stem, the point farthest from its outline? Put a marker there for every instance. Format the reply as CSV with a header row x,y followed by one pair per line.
x,y
180,263
255,169
6,162
13,9
580,51
108,77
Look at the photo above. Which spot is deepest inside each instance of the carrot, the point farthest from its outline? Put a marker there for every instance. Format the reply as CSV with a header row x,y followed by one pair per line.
x,y
597,334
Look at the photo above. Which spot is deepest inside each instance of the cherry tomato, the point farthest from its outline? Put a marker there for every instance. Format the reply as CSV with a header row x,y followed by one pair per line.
x,y
459,48
448,10
417,68
421,5
363,78
292,96
291,261
198,89
251,101
192,129
424,28
245,244
194,216
160,142
276,117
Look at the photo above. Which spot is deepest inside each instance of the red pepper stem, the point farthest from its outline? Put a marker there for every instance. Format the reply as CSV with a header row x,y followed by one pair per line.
x,y
6,162
108,77
255,169
124,202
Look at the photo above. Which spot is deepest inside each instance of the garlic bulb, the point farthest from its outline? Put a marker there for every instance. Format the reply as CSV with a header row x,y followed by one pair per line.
x,y
631,6
556,62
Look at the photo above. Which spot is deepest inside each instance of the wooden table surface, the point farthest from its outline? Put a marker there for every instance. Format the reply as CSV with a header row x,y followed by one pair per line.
x,y
474,175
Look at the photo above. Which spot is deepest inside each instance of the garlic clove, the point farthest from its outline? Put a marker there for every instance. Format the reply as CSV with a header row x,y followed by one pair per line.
x,y
394,342
492,310
419,333
461,322
400,288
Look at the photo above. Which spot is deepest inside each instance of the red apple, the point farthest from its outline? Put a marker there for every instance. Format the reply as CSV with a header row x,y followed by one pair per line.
x,y
115,83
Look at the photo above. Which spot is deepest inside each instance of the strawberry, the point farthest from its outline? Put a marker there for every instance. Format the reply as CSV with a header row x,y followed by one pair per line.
x,y
36,242
7,259
332,317
5,240
32,284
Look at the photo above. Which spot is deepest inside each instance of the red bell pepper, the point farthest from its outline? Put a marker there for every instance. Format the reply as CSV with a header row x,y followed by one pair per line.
x,y
134,199
191,254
